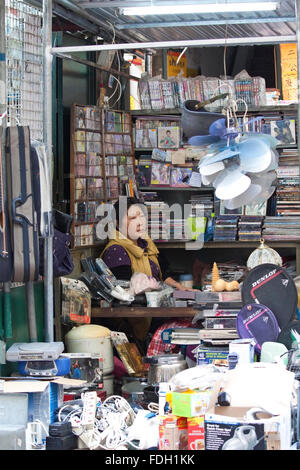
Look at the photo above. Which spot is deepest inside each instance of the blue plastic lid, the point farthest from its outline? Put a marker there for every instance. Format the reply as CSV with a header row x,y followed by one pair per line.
x,y
186,277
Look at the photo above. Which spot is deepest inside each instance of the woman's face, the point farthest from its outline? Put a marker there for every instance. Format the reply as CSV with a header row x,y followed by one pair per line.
x,y
133,224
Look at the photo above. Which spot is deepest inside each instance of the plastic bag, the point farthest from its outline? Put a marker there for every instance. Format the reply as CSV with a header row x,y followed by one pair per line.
x,y
201,377
140,282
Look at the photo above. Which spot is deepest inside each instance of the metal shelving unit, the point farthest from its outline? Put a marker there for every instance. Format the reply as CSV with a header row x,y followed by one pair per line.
x,y
143,36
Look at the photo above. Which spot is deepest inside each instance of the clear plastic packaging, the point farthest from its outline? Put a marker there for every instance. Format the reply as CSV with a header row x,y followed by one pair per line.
x,y
201,377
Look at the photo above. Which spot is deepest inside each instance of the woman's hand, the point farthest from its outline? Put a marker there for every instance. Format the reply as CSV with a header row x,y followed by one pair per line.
x,y
181,287
176,285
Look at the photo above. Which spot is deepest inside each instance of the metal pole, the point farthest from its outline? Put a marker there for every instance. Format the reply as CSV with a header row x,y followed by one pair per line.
x,y
47,135
177,44
75,8
3,107
297,13
31,312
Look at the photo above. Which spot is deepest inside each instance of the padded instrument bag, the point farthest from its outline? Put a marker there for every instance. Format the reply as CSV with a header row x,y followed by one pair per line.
x,y
21,205
271,285
5,244
258,322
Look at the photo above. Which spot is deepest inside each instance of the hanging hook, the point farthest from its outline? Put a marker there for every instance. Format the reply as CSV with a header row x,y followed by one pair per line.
x,y
184,50
2,116
17,121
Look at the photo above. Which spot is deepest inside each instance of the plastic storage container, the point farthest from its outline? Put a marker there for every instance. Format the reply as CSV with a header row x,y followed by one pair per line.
x,y
186,280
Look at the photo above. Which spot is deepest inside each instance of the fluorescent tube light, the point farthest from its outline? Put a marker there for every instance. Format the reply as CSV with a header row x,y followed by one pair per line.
x,y
203,8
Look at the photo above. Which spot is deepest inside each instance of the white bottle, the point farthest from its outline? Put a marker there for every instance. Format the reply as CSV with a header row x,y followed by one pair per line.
x,y
164,387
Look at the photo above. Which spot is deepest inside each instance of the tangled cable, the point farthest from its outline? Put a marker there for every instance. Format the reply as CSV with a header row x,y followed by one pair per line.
x,y
109,431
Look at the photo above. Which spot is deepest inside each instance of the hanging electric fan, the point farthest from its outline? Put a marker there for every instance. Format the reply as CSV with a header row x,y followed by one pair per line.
x,y
241,165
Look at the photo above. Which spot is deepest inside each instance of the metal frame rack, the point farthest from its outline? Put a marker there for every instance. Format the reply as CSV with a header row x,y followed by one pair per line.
x,y
49,52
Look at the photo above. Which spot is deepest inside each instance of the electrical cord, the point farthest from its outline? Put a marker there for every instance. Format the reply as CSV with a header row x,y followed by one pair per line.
x,y
153,407
119,85
109,431
115,90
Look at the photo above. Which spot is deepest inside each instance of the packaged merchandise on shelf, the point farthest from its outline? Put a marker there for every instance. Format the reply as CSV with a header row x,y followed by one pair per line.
x,y
245,348
168,137
226,228
160,173
249,228
144,93
173,434
143,174
44,396
145,138
101,149
281,228
288,180
75,301
216,355
195,429
190,403
155,93
180,176
160,155
272,96
244,89
259,414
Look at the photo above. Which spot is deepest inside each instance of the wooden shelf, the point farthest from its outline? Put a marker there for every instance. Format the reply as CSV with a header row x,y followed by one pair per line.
x,y
252,109
155,112
136,312
237,244
173,188
287,146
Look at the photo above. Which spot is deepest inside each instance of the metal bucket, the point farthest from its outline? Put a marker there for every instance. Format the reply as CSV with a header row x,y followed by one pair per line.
x,y
196,122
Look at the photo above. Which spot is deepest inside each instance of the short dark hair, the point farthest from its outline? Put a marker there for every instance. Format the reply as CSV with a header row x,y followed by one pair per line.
x,y
130,201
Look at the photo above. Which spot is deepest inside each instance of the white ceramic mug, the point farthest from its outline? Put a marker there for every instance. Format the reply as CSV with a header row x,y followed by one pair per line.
x,y
198,444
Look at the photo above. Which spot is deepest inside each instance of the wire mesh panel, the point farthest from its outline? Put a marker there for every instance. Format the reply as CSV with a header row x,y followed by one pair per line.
x,y
24,66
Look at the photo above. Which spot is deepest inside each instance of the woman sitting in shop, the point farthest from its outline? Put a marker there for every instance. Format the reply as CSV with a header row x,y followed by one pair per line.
x,y
130,250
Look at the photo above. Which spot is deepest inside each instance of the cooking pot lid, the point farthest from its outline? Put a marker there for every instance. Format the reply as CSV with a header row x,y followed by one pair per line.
x,y
134,387
164,359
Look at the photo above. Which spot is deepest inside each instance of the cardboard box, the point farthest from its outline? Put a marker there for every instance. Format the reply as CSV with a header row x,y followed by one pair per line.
x,y
234,428
211,356
195,429
172,433
244,348
44,396
191,403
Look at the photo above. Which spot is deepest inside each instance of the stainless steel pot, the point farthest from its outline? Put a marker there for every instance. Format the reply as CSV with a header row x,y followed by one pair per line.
x,y
163,367
136,388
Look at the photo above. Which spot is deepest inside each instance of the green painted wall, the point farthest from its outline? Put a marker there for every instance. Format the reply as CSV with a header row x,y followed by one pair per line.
x,y
20,329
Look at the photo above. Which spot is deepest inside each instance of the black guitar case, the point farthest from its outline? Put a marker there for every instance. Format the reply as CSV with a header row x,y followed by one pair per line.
x,y
21,205
5,243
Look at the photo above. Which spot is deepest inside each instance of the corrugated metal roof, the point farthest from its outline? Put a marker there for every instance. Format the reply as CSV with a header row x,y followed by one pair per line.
x,y
193,26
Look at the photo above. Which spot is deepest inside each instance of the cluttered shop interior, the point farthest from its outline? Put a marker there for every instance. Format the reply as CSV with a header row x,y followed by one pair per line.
x,y
150,226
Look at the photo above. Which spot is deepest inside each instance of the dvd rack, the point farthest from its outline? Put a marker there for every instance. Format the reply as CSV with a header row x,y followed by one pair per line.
x,y
101,166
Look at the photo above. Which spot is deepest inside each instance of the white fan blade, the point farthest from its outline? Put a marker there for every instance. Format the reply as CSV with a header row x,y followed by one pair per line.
x,y
230,184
